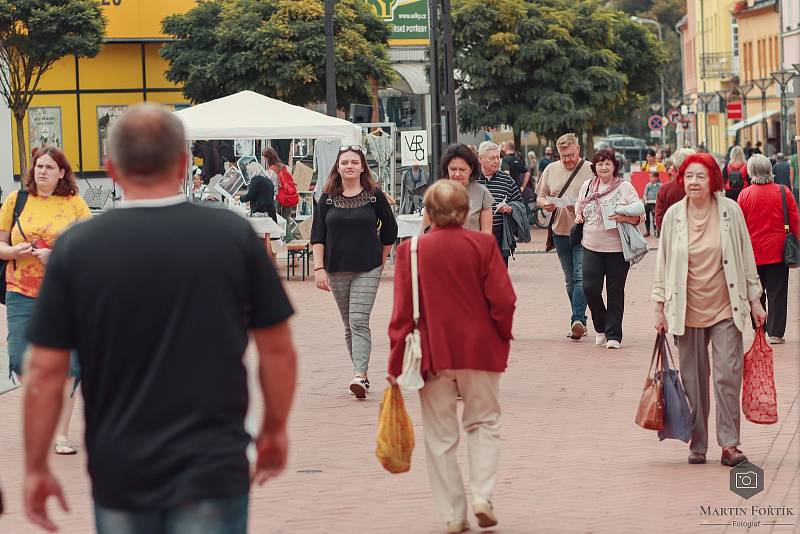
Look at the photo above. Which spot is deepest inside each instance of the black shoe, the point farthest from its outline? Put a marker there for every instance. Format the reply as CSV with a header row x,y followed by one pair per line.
x,y
697,458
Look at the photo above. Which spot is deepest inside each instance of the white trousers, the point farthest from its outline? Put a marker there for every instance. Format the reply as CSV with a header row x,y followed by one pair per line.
x,y
481,419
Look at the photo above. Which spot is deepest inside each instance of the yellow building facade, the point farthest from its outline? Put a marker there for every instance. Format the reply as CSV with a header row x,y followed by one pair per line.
x,y
79,98
759,50
716,58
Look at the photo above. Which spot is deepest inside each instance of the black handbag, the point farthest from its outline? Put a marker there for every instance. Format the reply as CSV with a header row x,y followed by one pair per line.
x,y
576,232
19,205
791,246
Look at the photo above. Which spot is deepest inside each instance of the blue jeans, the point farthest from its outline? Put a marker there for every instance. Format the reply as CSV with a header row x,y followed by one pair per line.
x,y
19,309
213,516
571,259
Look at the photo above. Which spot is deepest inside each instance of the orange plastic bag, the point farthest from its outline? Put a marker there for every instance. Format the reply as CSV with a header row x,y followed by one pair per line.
x,y
395,433
759,399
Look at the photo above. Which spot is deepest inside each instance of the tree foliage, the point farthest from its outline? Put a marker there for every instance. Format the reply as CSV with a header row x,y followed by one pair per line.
x,y
549,66
277,48
33,36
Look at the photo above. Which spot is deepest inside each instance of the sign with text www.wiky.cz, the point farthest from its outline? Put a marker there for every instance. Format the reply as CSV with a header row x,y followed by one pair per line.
x,y
414,148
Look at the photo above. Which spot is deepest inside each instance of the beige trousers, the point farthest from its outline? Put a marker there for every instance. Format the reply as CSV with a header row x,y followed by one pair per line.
x,y
728,359
481,419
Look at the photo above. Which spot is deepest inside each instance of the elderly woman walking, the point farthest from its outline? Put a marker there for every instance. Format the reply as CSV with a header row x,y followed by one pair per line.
x,y
603,260
466,311
763,207
705,286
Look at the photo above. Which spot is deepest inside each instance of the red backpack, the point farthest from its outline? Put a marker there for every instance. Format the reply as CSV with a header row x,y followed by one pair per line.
x,y
287,194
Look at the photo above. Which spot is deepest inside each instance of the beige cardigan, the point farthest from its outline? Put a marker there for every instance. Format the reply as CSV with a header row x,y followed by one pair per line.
x,y
672,264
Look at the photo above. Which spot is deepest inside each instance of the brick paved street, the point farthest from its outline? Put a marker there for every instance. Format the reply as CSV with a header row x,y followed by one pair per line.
x,y
573,459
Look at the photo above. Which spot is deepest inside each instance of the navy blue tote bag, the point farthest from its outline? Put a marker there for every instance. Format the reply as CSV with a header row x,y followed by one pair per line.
x,y
677,416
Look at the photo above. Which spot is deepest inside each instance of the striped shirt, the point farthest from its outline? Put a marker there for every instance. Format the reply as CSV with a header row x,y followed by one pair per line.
x,y
502,187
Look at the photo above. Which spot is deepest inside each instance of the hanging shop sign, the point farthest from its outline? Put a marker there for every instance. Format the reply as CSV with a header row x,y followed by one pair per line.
x,y
44,127
408,20
414,148
735,110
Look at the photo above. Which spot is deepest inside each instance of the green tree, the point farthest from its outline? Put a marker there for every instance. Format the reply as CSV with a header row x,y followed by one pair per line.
x,y
277,48
33,36
547,66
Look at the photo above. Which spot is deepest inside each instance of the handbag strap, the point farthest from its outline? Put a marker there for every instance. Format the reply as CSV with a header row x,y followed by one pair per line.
x,y
665,348
415,280
785,210
564,190
655,352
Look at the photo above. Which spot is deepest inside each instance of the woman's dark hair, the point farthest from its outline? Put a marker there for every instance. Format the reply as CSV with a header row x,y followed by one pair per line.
x,y
651,152
602,155
462,151
271,155
334,186
66,186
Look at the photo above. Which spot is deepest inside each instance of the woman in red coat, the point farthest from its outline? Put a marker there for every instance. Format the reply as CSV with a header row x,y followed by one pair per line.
x,y
762,206
466,311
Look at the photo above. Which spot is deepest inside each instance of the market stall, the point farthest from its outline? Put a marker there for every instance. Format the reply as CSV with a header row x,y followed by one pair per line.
x,y
251,116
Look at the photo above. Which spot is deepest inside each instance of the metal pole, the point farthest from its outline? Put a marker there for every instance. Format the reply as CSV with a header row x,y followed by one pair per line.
x,y
764,117
330,60
436,111
449,73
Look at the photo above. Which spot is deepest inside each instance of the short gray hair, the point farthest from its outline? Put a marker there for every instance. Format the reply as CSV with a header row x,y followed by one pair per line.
x,y
680,155
568,139
146,140
487,146
759,169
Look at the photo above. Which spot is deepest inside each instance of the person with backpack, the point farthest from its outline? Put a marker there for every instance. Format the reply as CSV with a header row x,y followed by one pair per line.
x,y
286,196
735,173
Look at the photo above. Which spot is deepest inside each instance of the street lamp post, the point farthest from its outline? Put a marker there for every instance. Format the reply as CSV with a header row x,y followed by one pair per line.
x,y
763,84
744,90
641,20
782,78
330,60
706,99
724,95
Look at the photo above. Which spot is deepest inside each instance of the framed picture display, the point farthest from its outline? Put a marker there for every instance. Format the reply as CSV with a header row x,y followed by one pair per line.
x,y
44,126
106,115
249,167
244,147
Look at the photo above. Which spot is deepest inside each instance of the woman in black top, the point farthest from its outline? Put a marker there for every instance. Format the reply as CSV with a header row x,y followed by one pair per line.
x,y
353,231
261,196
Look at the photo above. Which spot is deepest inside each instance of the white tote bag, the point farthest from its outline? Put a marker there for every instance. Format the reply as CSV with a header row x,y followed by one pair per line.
x,y
411,377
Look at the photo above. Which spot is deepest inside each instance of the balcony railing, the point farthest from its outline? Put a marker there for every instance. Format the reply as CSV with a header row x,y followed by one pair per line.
x,y
719,65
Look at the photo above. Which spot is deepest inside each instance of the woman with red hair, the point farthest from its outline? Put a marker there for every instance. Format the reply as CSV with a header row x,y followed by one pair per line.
x,y
705,287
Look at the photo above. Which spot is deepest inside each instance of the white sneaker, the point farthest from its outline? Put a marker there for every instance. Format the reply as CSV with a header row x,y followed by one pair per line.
x,y
358,387
578,330
600,340
775,340
454,527
612,344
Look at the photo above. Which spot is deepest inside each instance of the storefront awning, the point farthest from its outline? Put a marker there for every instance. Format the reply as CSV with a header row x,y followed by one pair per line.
x,y
750,121
414,76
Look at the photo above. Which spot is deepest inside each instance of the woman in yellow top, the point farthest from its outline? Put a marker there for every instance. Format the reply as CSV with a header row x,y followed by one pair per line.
x,y
51,206
651,163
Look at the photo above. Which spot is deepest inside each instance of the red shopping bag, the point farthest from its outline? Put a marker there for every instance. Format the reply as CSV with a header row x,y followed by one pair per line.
x,y
759,400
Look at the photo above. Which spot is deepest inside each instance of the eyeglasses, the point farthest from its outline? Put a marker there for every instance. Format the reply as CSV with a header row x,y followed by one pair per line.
x,y
347,148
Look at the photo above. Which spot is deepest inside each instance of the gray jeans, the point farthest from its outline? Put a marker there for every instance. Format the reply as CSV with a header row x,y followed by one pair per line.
x,y
728,356
355,296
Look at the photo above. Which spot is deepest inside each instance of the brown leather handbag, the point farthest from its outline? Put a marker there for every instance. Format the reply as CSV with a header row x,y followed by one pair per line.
x,y
650,414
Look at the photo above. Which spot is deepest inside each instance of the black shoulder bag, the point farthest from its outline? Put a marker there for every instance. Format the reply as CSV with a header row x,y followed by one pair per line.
x,y
19,205
576,232
791,246
550,244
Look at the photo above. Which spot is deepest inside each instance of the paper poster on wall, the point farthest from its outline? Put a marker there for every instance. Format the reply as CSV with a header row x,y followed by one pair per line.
x,y
244,147
414,148
44,126
106,115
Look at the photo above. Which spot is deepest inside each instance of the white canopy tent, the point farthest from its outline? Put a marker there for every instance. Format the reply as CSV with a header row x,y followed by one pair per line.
x,y
249,115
